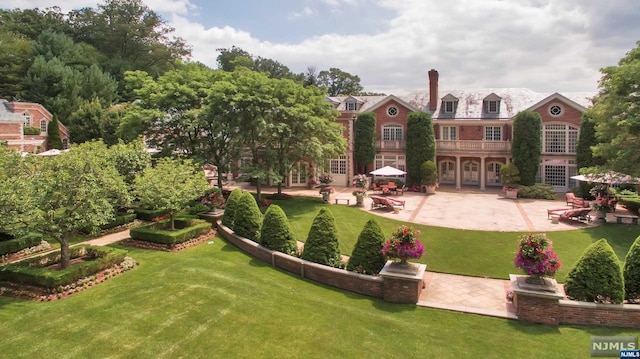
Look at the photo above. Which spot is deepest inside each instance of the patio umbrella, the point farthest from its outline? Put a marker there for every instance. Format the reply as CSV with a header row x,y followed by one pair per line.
x,y
388,171
607,177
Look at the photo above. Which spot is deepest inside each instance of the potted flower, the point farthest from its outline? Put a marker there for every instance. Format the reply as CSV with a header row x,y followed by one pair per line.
x,y
536,257
325,179
360,183
326,193
403,245
510,176
429,176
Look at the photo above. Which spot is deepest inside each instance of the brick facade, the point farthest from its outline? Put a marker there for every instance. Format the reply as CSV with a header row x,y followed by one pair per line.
x,y
15,116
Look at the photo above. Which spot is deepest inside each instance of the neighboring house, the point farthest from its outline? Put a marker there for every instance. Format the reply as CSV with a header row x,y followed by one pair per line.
x,y
14,116
473,130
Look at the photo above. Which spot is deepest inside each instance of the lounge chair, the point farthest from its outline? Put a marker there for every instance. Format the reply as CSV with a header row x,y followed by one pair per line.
x,y
575,214
386,202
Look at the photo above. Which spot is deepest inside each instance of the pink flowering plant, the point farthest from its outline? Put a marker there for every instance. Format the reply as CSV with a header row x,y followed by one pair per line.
x,y
403,244
325,178
359,182
536,257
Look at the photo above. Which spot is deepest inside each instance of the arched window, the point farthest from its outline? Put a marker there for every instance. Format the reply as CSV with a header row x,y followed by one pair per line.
x,y
392,133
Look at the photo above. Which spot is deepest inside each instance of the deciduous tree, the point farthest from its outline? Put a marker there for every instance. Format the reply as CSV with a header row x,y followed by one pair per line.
x,y
170,185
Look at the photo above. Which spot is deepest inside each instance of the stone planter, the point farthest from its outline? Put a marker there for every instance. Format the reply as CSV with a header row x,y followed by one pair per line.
x,y
326,197
511,193
359,201
430,189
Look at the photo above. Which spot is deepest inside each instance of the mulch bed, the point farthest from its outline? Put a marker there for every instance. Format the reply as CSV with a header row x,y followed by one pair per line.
x,y
40,294
169,248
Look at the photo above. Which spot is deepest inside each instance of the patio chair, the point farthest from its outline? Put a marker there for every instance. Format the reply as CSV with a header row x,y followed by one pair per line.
x,y
569,198
375,188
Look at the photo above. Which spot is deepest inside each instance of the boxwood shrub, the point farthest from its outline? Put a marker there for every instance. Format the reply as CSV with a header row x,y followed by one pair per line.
x,y
631,203
122,218
17,244
247,219
538,191
34,271
230,207
322,244
149,214
367,256
596,276
631,272
275,233
186,229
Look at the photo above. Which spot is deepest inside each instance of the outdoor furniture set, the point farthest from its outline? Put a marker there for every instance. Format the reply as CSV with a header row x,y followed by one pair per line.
x,y
387,202
387,189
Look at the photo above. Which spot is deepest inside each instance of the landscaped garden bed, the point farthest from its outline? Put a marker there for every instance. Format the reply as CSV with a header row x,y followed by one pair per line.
x,y
189,232
41,278
12,248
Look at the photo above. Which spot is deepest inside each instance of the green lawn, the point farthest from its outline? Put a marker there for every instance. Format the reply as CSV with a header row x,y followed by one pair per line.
x,y
213,301
475,253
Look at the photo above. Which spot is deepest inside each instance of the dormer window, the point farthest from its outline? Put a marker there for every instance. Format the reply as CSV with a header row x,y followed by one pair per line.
x,y
449,106
492,103
493,106
352,106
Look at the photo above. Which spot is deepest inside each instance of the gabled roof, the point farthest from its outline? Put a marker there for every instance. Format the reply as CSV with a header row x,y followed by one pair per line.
x,y
561,98
512,100
369,103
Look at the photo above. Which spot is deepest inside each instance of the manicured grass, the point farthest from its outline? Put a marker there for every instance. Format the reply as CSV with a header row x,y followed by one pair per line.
x,y
475,253
213,301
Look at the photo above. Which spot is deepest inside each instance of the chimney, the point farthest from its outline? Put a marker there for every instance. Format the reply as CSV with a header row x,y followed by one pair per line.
x,y
433,89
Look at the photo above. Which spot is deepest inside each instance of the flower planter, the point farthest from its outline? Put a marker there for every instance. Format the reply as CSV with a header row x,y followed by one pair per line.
x,y
326,197
359,201
511,193
430,189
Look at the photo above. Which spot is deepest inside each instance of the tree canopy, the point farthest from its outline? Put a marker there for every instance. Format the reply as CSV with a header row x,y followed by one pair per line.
x,y
616,114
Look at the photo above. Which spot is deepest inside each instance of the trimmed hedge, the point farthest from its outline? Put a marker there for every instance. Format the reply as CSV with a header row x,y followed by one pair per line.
x,y
149,214
186,229
34,272
20,243
538,191
631,203
31,131
367,257
247,219
596,276
632,272
120,220
322,244
276,232
230,207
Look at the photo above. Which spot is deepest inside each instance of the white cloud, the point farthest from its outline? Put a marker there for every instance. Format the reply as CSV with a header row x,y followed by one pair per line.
x,y
307,11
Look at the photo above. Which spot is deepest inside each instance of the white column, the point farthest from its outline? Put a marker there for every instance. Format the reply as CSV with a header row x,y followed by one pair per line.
x,y
483,173
458,173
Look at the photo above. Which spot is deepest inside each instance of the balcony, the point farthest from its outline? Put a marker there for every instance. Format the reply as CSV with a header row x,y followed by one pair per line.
x,y
473,146
390,145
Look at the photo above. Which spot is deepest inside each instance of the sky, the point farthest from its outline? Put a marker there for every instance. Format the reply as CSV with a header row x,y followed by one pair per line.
x,y
544,45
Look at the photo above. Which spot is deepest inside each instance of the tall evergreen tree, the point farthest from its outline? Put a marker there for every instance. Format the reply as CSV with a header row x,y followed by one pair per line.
x,y
525,147
322,242
53,134
587,139
367,256
421,143
364,145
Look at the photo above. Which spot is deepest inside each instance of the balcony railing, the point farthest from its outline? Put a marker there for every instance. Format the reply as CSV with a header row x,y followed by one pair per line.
x,y
473,146
391,145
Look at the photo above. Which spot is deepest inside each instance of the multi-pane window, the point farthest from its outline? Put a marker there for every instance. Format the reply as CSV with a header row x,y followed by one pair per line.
x,y
26,119
339,165
392,133
559,138
43,126
398,162
449,133
352,106
492,106
493,173
448,106
555,175
493,133
447,172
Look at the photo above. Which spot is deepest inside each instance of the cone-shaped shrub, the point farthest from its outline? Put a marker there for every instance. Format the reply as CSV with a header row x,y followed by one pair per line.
x,y
367,256
247,219
632,272
276,232
230,207
322,242
596,276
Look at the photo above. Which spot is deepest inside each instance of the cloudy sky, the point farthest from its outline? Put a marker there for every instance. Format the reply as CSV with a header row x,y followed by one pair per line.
x,y
543,45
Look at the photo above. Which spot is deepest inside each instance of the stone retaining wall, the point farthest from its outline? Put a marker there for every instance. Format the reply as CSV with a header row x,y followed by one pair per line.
x,y
359,283
553,309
